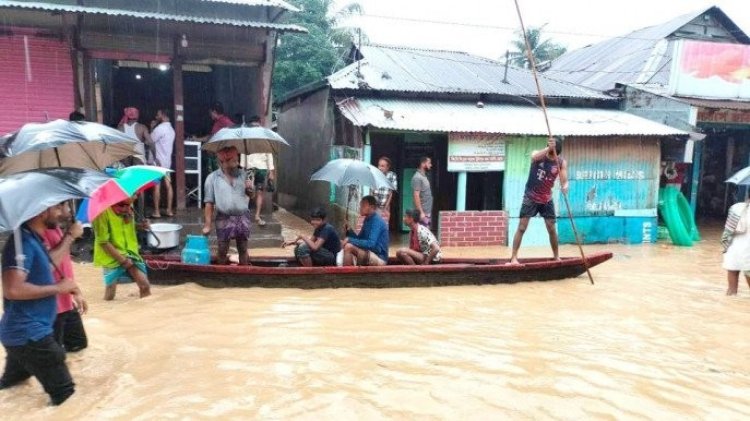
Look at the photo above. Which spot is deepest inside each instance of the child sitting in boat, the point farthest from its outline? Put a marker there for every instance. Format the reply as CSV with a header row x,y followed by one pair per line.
x,y
423,246
116,249
321,248
370,246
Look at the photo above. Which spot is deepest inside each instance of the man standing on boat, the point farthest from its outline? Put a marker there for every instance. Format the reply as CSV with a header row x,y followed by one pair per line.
x,y
226,195
370,246
546,165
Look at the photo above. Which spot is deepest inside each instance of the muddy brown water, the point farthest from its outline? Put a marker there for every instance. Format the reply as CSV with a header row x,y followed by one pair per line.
x,y
655,338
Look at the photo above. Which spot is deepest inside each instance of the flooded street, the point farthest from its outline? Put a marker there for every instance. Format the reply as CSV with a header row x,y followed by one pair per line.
x,y
655,338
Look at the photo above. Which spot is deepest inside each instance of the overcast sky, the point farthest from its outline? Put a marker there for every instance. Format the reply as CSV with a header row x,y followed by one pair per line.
x,y
573,23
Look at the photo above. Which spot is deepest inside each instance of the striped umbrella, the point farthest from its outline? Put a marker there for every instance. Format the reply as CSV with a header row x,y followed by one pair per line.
x,y
126,183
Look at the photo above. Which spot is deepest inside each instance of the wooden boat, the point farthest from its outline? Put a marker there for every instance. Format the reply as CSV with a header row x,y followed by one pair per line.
x,y
269,272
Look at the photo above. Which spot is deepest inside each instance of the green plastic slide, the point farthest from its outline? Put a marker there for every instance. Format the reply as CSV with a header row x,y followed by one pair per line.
x,y
678,217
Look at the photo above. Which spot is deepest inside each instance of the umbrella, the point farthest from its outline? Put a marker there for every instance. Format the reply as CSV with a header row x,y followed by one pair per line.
x,y
248,140
62,143
350,172
27,194
125,183
740,178
345,171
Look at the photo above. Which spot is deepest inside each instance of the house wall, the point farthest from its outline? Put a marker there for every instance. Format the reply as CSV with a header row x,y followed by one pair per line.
x,y
309,128
613,192
36,80
660,109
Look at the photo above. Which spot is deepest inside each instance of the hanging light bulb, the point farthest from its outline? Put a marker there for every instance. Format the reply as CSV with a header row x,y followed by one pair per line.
x,y
184,41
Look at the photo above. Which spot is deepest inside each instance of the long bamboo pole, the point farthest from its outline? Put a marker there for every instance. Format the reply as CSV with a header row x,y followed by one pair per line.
x,y
549,132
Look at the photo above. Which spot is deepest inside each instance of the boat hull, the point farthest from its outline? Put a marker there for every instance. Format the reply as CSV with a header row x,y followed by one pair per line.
x,y
267,273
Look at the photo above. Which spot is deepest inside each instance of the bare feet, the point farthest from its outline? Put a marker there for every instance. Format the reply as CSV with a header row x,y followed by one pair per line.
x,y
513,262
731,293
557,259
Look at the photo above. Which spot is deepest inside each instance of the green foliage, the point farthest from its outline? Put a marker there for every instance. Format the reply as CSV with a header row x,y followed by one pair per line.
x,y
305,58
542,50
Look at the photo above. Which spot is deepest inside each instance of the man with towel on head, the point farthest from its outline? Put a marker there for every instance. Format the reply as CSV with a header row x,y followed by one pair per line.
x,y
129,125
226,195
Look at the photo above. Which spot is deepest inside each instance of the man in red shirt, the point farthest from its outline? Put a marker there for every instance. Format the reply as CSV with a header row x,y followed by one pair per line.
x,y
216,111
68,327
546,166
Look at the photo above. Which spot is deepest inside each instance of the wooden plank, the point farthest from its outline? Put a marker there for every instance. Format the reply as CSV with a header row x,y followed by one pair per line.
x,y
179,128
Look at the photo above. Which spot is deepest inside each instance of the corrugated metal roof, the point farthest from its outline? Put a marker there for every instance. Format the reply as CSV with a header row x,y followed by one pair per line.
x,y
268,3
401,69
716,103
51,7
448,116
640,57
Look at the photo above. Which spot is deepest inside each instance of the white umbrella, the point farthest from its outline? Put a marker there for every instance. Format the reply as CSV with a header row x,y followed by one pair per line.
x,y
248,140
62,143
740,178
351,172
345,171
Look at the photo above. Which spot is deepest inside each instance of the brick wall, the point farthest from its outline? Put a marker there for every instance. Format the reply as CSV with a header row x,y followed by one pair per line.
x,y
473,228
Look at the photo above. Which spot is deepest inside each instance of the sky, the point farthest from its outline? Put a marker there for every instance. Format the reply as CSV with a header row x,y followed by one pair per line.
x,y
486,27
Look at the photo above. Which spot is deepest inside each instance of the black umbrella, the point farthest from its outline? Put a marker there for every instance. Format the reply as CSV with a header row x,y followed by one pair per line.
x,y
62,143
27,194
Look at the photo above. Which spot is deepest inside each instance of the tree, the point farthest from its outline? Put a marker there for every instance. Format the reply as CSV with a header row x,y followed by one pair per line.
x,y
305,58
541,50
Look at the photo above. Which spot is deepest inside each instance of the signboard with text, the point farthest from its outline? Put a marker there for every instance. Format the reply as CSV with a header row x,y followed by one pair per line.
x,y
475,152
711,70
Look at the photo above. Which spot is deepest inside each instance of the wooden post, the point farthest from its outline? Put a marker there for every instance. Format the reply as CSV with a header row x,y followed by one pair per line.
x,y
179,129
89,89
265,73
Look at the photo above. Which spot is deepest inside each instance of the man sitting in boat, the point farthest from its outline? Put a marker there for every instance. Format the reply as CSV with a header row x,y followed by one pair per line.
x,y
423,246
370,246
116,249
226,194
321,248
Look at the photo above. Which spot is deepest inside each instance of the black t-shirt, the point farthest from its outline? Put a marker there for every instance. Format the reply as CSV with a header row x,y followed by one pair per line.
x,y
331,241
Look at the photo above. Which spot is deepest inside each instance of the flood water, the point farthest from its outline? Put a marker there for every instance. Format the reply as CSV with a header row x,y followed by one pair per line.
x,y
655,338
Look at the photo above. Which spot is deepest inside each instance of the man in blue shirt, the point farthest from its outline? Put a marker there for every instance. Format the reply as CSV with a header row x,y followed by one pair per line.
x,y
29,311
370,246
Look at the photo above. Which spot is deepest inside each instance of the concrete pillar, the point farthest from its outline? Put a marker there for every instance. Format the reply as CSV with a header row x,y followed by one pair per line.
x,y
461,193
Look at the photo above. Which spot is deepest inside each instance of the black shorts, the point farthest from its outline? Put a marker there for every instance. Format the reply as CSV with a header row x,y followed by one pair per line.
x,y
260,179
529,209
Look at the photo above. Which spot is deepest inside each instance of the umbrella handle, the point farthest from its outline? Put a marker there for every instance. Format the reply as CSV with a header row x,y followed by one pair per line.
x,y
18,242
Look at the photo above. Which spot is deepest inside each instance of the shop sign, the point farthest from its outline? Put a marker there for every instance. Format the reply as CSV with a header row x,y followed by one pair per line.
x,y
472,152
711,70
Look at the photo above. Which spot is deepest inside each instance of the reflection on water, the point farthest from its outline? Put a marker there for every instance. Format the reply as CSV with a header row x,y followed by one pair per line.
x,y
654,338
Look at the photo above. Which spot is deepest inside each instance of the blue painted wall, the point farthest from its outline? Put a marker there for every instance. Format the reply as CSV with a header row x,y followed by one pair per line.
x,y
614,185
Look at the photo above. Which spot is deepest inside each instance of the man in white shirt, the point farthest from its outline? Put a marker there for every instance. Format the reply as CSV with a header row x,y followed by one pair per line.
x,y
163,138
264,173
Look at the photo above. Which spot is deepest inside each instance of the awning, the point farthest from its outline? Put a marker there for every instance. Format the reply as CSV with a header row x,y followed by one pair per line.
x,y
106,11
469,117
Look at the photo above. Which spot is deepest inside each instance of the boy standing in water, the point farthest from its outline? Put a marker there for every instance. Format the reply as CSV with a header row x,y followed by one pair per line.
x,y
68,327
116,249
